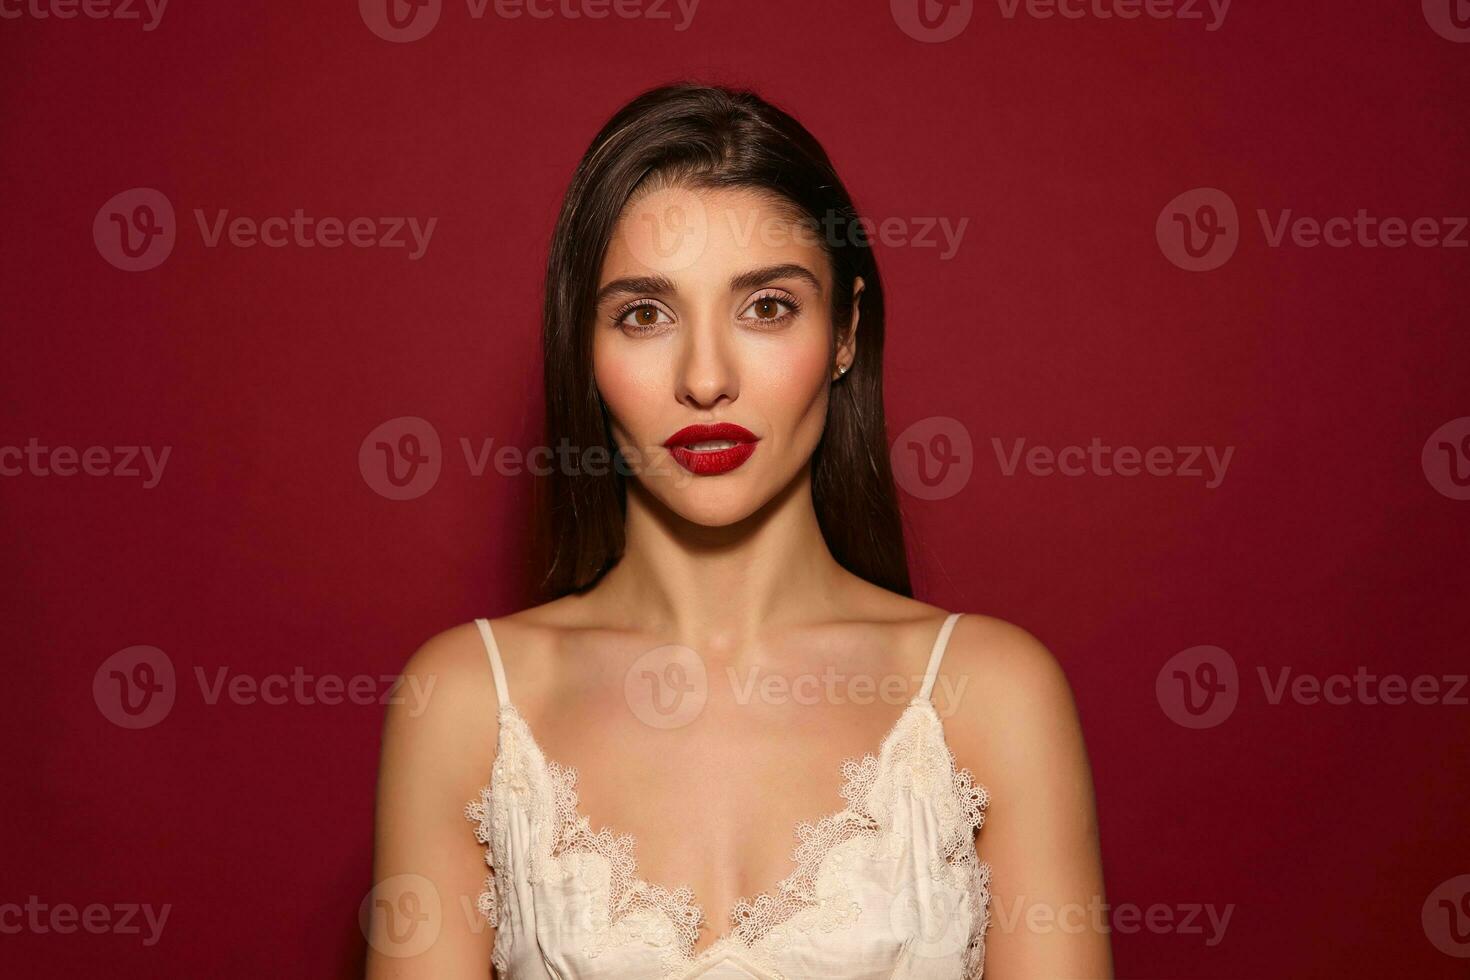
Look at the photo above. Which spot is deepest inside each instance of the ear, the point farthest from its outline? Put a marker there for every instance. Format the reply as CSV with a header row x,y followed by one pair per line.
x,y
847,344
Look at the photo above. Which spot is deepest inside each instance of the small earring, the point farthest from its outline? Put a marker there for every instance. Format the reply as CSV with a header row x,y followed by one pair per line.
x,y
841,370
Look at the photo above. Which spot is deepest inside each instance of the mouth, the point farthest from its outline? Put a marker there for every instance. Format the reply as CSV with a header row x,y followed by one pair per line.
x,y
709,450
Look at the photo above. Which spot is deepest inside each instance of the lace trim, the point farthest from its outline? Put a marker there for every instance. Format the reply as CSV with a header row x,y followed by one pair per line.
x,y
486,902
959,854
752,919
959,801
509,774
628,894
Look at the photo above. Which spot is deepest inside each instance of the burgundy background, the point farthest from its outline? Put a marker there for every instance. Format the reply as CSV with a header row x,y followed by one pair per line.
x,y
264,549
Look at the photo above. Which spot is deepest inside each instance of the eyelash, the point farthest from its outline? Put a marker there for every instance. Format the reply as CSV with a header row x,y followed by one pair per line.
x,y
786,299
635,330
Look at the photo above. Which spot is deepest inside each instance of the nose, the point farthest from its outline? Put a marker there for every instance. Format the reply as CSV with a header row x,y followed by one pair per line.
x,y
706,373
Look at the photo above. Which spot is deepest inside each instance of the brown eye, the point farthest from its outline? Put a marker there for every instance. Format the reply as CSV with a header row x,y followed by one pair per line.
x,y
770,310
642,318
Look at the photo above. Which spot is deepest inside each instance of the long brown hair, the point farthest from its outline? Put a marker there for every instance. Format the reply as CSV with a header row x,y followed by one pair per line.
x,y
703,136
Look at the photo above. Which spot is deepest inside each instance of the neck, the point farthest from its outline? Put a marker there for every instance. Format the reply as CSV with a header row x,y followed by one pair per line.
x,y
723,584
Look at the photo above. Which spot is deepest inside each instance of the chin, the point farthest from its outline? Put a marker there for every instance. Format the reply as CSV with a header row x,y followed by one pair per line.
x,y
702,502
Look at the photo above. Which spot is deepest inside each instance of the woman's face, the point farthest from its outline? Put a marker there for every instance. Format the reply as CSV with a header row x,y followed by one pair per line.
x,y
714,307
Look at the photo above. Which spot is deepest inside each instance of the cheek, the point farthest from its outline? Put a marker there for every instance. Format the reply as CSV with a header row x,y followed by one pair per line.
x,y
630,386
791,384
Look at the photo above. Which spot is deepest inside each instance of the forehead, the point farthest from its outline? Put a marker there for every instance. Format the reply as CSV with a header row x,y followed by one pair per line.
x,y
703,236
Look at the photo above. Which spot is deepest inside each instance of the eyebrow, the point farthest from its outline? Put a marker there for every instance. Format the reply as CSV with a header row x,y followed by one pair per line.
x,y
754,279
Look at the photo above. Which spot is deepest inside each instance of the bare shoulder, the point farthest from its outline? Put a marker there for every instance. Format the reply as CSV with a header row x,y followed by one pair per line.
x,y
456,662
1005,699
456,653
445,691
1014,660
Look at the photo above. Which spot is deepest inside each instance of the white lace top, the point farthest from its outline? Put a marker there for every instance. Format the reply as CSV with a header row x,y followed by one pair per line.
x,y
889,886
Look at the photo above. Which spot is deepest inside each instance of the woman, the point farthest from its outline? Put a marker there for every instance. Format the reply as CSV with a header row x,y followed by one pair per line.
x,y
731,658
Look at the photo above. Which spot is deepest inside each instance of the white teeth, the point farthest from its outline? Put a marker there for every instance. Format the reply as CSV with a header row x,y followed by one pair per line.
x,y
711,445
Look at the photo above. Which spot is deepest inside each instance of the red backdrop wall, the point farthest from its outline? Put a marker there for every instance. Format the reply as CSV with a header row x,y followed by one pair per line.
x,y
1085,299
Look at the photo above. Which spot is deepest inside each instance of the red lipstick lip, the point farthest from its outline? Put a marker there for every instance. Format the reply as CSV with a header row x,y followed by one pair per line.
x,y
703,433
711,462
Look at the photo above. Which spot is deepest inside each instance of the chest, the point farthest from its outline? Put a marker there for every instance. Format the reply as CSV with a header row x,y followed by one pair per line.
x,y
884,879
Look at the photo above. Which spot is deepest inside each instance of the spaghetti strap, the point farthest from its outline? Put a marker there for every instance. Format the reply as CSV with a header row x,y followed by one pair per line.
x,y
937,654
493,652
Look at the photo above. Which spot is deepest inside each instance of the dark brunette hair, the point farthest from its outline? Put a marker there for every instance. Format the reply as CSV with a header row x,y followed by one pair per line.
x,y
703,136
